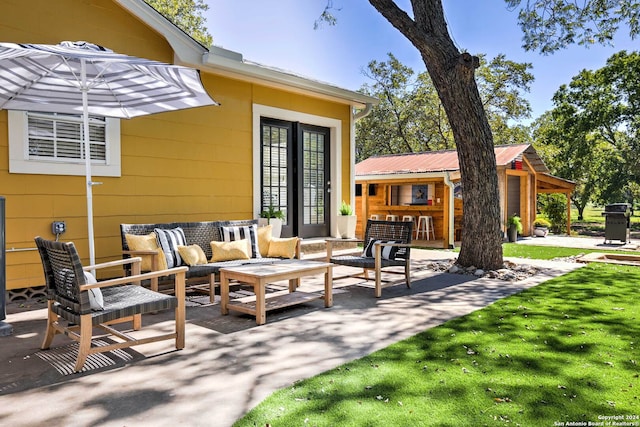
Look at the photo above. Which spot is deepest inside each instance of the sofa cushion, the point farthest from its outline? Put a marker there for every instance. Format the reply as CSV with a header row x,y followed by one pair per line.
x,y
282,247
229,251
169,240
265,234
147,242
250,232
192,255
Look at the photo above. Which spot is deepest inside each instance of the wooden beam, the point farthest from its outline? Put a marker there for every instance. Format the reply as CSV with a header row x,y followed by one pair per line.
x,y
568,214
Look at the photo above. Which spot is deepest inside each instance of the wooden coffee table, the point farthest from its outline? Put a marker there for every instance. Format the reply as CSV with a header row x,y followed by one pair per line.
x,y
260,274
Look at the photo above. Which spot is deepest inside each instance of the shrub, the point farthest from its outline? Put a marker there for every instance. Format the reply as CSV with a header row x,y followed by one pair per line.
x,y
554,207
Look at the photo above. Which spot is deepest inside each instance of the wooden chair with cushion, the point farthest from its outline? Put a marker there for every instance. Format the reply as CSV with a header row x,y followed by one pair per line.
x,y
77,303
386,244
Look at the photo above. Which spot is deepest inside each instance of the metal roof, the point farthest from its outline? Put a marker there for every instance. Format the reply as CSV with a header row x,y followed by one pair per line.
x,y
443,161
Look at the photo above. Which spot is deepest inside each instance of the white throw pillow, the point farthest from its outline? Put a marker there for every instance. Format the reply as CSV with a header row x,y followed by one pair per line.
x,y
95,295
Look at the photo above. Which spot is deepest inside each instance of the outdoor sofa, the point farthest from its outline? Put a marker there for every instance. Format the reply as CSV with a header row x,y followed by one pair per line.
x,y
161,247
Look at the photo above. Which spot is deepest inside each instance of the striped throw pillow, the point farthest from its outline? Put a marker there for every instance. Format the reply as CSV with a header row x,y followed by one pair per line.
x,y
230,234
169,240
388,252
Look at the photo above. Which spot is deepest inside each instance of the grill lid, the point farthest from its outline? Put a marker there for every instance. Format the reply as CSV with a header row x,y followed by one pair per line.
x,y
617,207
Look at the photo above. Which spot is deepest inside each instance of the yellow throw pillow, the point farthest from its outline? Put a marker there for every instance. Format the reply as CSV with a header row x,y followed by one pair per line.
x,y
229,251
146,242
264,237
282,247
192,254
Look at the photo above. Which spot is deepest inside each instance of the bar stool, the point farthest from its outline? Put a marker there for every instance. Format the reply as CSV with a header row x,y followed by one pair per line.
x,y
410,218
425,227
375,217
391,217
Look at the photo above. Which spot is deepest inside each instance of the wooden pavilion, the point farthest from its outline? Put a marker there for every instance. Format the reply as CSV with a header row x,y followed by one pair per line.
x,y
428,184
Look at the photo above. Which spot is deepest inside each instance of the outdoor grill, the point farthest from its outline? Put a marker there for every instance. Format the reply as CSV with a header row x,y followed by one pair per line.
x,y
616,225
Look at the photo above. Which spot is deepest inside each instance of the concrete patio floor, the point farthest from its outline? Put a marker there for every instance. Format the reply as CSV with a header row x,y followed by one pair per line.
x,y
230,364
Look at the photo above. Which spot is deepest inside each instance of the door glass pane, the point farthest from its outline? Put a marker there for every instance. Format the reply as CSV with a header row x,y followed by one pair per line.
x,y
274,167
313,178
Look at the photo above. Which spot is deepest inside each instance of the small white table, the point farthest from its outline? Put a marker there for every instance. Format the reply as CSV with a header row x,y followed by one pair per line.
x,y
260,274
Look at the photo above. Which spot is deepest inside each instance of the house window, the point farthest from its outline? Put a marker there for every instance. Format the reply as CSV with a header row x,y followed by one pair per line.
x,y
52,143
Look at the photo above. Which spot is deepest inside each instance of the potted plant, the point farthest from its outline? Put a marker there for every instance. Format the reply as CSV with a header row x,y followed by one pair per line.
x,y
346,221
514,225
274,217
541,227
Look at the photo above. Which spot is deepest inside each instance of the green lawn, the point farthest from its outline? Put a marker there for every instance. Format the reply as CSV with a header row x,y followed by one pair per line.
x,y
546,252
542,252
564,351
591,214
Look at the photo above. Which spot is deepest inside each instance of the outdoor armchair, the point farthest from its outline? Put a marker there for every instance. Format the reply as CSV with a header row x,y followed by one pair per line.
x,y
74,308
386,244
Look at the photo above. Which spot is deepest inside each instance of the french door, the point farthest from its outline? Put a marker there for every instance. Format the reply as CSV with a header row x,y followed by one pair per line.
x,y
295,175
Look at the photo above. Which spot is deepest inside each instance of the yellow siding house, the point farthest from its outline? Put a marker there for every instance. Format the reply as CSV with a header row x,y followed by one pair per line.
x,y
276,139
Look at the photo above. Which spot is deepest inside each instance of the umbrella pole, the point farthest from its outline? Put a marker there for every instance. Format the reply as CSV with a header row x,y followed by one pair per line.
x,y
87,158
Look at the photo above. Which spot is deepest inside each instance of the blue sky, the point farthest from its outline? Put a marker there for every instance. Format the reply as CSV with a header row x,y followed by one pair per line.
x,y
280,33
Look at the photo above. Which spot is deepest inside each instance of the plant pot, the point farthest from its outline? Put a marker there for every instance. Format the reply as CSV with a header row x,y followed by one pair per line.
x,y
347,226
512,233
540,231
276,225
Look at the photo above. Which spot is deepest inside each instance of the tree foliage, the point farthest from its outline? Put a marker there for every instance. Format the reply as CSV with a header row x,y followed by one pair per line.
x,y
410,116
550,25
592,132
187,15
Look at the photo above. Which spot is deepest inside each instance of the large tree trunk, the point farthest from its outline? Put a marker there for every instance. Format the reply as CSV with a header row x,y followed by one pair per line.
x,y
452,74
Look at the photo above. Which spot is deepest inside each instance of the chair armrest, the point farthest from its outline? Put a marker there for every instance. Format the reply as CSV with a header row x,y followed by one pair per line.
x,y
154,254
298,254
400,245
140,252
178,271
114,263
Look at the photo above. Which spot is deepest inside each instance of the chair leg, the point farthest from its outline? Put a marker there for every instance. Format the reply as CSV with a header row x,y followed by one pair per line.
x,y
86,329
378,268
137,322
212,288
180,310
407,273
51,331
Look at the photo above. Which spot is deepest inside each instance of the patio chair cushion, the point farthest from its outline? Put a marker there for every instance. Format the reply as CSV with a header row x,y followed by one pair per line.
x,y
146,242
264,238
169,240
192,255
229,251
250,232
282,247
95,295
122,301
388,252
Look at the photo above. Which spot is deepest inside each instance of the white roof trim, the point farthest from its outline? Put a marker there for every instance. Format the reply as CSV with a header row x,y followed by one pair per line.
x,y
216,60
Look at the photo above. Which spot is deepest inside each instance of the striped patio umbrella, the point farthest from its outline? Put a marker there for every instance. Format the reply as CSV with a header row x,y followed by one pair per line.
x,y
84,78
